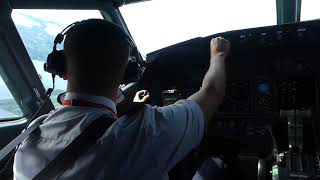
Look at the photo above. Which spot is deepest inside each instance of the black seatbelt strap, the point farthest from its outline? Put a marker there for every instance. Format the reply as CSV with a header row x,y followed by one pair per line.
x,y
13,144
76,148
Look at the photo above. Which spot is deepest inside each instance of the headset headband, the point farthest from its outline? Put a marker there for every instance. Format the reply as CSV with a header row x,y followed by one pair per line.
x,y
60,37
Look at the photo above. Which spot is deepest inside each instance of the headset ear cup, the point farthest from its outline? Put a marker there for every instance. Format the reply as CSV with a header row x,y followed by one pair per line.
x,y
49,66
56,63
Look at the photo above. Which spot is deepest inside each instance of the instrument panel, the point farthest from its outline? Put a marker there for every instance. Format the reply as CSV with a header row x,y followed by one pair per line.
x,y
258,96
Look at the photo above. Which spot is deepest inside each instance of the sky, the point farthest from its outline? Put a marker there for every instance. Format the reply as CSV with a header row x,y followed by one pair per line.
x,y
310,10
160,23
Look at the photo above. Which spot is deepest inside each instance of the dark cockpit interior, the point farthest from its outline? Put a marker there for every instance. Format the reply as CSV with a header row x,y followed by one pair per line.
x,y
271,106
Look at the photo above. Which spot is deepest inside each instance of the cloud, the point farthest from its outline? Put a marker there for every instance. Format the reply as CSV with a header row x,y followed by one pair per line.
x,y
53,29
54,20
23,20
63,17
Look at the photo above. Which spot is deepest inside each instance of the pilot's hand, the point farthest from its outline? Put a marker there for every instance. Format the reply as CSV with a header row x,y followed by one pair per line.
x,y
219,47
141,96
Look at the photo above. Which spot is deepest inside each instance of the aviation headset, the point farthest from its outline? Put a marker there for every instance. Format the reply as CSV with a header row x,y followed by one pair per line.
x,y
56,63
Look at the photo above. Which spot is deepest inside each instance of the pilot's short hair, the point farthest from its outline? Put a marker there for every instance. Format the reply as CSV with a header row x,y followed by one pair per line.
x,y
93,48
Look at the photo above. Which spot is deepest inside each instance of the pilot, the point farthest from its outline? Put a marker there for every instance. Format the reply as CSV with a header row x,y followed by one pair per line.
x,y
145,145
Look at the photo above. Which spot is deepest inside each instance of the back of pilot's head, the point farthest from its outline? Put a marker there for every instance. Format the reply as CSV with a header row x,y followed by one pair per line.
x,y
96,54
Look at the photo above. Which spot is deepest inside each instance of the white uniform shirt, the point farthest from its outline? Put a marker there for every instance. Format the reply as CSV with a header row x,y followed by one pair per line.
x,y
144,146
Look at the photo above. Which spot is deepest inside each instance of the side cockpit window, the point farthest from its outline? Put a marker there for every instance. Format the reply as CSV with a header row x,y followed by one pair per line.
x,y
38,28
9,108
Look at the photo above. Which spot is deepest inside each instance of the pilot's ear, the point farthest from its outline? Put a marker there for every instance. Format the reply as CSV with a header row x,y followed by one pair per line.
x,y
65,71
65,76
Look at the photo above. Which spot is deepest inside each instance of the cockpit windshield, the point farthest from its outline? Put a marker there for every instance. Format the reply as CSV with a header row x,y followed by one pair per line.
x,y
160,23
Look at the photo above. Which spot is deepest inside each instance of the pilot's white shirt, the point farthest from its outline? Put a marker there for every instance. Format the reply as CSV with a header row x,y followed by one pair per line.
x,y
144,146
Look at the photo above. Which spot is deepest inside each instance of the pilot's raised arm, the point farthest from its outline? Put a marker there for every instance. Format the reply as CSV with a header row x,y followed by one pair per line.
x,y
212,91
176,129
